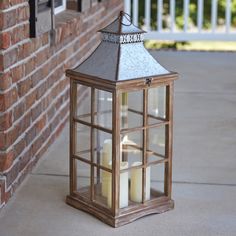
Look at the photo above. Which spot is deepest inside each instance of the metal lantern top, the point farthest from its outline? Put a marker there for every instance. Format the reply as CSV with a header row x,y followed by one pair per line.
x,y
121,54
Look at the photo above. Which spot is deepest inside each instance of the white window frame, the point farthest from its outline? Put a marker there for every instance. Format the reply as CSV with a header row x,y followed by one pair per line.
x,y
61,8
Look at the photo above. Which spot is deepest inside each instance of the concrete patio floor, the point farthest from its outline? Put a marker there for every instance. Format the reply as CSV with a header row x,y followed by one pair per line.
x,y
204,164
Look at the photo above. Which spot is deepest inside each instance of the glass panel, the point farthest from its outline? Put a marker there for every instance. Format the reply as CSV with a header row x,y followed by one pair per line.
x,y
131,110
103,108
82,148
157,180
156,104
103,148
156,143
83,103
103,187
132,147
83,178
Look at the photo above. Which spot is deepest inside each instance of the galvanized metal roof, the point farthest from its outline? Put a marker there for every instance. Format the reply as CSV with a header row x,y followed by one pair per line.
x,y
121,55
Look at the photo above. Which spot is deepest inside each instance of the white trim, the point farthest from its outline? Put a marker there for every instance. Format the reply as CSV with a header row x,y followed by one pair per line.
x,y
227,32
61,8
190,36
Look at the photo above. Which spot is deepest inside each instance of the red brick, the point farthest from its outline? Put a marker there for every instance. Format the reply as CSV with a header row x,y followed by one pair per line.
x,y
46,70
17,73
41,90
24,86
22,13
19,147
12,174
36,110
6,139
37,145
2,191
30,135
9,58
7,195
5,121
42,56
29,66
19,110
36,43
3,5
5,80
27,31
24,123
46,133
45,38
7,99
30,99
8,19
14,2
25,50
18,34
24,159
51,112
6,160
54,123
41,124
36,77
64,111
9,137
5,40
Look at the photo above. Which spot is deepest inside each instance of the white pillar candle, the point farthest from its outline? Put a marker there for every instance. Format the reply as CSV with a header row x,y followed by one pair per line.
x,y
107,148
136,183
109,189
106,160
105,174
124,187
148,183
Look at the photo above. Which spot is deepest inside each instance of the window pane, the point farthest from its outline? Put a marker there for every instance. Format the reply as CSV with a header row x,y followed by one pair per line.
x,y
83,178
103,187
83,103
82,141
131,110
156,104
157,173
156,142
103,108
132,147
103,148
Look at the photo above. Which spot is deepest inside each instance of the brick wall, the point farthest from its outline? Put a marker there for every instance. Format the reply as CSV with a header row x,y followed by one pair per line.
x,y
34,92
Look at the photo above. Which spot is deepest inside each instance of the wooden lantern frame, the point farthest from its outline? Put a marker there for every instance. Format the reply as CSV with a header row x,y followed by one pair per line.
x,y
115,216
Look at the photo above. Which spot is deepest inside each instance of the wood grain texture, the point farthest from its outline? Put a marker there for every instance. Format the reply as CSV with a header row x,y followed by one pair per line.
x,y
126,217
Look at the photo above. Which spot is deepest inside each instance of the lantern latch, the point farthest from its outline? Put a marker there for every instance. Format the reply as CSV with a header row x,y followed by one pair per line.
x,y
148,81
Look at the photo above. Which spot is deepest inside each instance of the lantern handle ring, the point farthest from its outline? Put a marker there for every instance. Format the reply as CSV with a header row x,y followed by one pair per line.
x,y
127,16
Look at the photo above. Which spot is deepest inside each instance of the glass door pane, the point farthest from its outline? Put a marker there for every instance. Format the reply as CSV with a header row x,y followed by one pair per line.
x,y
156,104
83,103
131,109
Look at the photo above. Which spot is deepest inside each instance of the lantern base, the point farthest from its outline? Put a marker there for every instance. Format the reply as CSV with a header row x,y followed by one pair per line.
x,y
125,216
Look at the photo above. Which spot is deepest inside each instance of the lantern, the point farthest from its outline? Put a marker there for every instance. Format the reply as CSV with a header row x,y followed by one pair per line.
x,y
121,129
